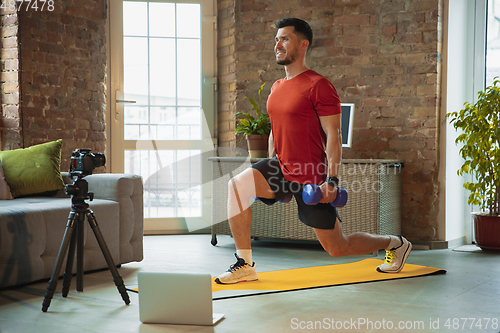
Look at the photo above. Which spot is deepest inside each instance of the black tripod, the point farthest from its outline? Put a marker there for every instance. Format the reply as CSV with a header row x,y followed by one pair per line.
x,y
74,240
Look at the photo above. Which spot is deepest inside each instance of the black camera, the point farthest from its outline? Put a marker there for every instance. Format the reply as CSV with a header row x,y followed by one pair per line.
x,y
83,162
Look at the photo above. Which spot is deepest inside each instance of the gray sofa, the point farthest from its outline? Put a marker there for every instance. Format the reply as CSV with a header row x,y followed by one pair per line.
x,y
32,228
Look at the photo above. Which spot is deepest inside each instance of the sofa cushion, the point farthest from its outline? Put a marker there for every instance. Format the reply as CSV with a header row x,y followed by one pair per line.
x,y
4,187
33,170
31,231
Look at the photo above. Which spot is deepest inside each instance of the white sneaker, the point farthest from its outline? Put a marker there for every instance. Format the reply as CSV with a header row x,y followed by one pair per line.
x,y
395,258
239,272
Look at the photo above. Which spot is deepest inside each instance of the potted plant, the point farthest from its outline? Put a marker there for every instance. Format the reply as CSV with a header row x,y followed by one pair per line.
x,y
480,137
256,129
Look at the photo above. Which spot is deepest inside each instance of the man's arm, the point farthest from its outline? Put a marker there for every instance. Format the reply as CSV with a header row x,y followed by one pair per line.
x,y
331,127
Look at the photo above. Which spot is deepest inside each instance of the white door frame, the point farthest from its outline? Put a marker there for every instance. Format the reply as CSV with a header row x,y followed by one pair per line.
x,y
115,143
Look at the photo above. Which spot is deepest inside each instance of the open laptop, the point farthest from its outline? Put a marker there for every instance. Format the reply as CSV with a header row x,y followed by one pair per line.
x,y
176,298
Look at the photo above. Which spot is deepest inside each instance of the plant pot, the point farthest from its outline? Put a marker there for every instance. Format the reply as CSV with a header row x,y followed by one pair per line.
x,y
487,230
257,145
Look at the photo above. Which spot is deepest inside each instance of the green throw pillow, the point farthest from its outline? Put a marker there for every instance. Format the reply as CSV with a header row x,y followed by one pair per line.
x,y
33,170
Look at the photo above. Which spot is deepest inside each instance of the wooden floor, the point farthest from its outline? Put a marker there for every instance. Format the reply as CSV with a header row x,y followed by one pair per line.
x,y
470,289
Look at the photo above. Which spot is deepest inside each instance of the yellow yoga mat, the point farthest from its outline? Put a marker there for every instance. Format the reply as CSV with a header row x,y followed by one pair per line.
x,y
319,276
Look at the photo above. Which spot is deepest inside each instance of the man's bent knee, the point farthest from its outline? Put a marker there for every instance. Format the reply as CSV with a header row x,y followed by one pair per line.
x,y
337,251
251,183
243,184
334,241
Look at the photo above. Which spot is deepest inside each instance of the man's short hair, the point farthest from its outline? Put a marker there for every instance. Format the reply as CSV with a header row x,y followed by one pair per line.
x,y
302,28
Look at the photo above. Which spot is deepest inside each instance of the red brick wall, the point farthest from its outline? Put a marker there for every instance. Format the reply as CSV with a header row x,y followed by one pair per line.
x,y
10,125
227,92
381,55
63,77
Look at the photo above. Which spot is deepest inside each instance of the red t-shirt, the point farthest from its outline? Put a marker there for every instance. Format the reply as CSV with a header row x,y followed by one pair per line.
x,y
294,107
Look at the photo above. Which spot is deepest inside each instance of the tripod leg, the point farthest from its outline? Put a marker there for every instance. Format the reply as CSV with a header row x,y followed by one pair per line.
x,y
51,287
68,272
79,251
107,255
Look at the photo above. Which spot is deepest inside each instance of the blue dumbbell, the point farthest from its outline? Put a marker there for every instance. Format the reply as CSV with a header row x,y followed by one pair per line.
x,y
311,194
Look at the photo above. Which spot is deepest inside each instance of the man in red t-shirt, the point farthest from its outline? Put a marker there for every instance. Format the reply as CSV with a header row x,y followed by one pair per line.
x,y
306,147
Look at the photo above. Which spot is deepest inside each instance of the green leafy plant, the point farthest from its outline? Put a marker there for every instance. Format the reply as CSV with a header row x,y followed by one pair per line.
x,y
481,147
254,125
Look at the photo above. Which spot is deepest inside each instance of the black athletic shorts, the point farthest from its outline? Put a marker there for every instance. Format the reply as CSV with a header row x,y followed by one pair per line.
x,y
321,216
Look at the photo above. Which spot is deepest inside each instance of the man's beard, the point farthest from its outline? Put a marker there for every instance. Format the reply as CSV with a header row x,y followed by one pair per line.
x,y
288,59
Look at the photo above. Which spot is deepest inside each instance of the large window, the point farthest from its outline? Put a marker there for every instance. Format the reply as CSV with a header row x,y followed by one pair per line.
x,y
493,41
162,73
162,65
162,107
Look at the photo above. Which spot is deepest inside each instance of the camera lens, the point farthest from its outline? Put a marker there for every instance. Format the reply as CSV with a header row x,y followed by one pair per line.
x,y
99,159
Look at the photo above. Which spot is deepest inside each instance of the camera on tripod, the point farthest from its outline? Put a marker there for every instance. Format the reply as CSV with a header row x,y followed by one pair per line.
x,y
83,162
